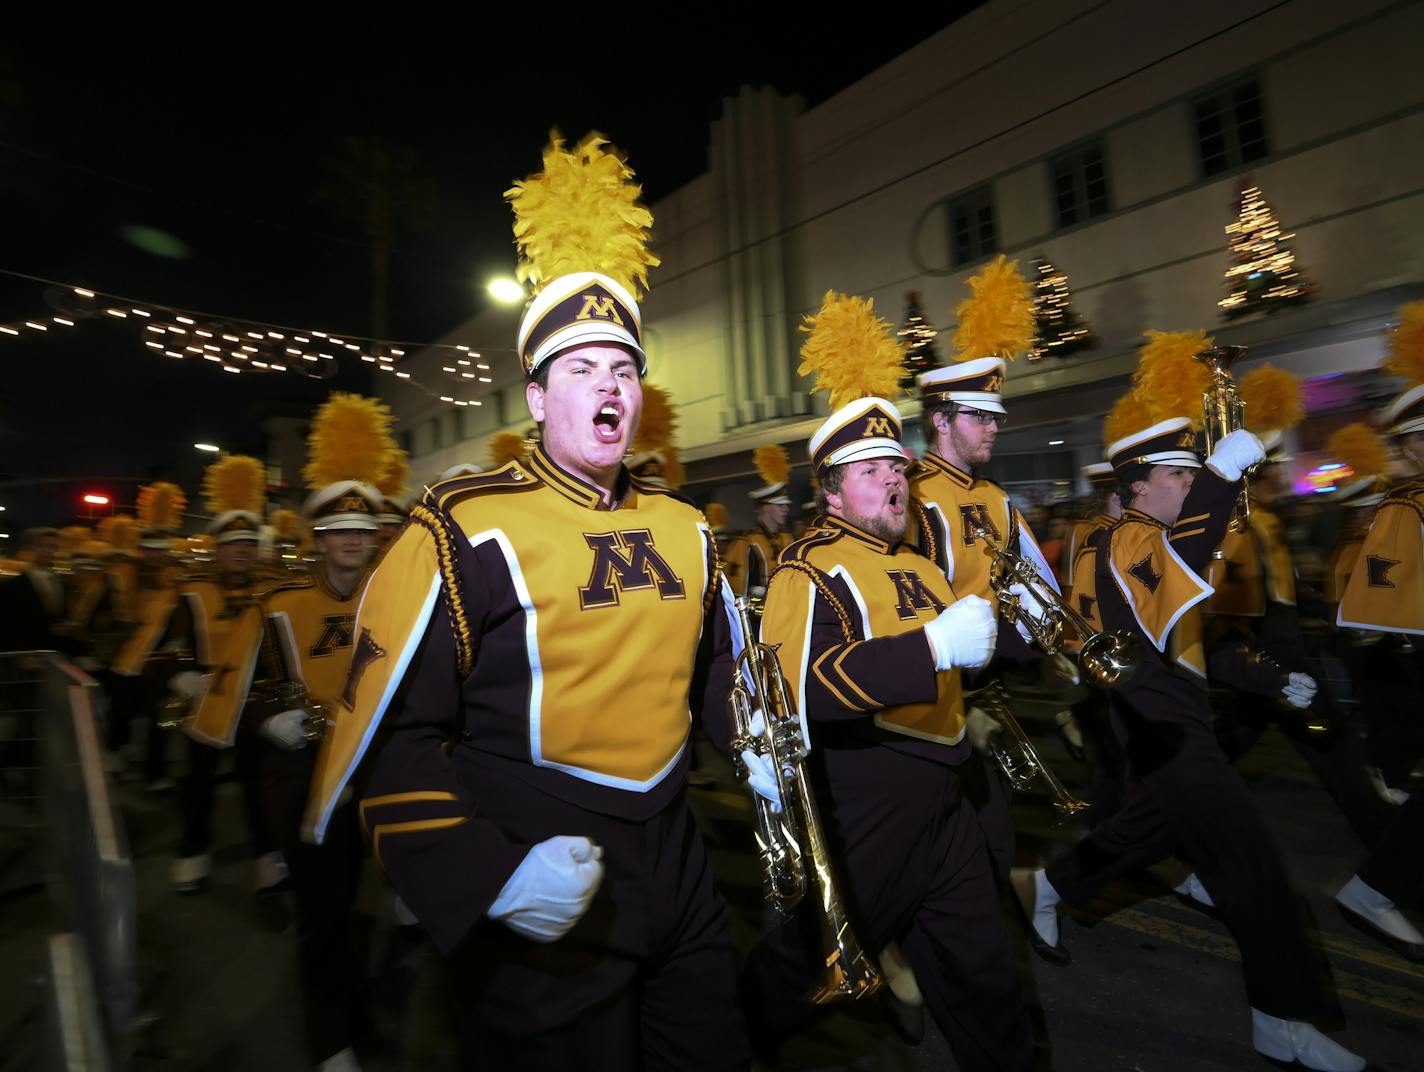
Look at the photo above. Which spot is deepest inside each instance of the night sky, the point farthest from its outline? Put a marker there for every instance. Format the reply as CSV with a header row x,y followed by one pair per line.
x,y
230,139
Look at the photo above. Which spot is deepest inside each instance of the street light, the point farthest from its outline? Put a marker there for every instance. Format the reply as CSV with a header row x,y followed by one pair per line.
x,y
97,500
208,447
505,290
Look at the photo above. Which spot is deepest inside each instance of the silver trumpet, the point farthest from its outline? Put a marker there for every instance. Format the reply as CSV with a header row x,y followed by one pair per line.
x,y
291,695
1017,757
1107,658
793,840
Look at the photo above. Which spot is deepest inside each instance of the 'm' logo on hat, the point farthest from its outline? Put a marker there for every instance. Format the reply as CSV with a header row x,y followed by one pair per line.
x,y
600,306
352,504
994,384
1188,440
878,426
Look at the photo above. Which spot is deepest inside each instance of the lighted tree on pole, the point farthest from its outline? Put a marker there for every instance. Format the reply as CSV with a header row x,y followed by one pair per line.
x,y
918,335
1059,329
1263,274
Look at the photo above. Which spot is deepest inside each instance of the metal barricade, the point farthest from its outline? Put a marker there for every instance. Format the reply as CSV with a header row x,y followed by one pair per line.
x,y
90,872
74,1038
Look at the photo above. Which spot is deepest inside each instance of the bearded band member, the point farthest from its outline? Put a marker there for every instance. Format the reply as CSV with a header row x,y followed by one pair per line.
x,y
1183,794
871,636
516,721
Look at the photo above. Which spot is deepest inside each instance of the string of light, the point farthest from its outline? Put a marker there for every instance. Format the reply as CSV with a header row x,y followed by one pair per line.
x,y
239,345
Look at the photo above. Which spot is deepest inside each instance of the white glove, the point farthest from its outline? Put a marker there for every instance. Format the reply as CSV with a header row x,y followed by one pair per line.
x,y
761,775
286,730
1030,605
1060,671
189,684
551,889
981,726
1235,453
1300,691
963,634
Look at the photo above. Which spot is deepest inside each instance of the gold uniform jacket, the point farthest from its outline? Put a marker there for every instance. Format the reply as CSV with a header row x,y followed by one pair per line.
x,y
1385,592
1344,556
519,625
1079,534
309,636
1255,568
950,498
751,557
845,614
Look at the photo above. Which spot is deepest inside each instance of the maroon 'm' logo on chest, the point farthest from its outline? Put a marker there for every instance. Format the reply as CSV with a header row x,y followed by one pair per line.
x,y
626,562
911,594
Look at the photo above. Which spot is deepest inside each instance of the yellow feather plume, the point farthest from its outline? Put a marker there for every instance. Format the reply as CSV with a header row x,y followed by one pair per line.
x,y
1361,448
1274,399
1129,414
161,506
853,353
716,515
772,463
1406,345
396,473
674,472
997,319
1167,379
657,427
286,525
506,447
119,532
582,214
235,482
350,439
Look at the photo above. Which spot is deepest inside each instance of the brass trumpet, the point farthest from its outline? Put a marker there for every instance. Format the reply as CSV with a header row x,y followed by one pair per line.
x,y
1019,760
793,840
1108,658
1223,412
291,695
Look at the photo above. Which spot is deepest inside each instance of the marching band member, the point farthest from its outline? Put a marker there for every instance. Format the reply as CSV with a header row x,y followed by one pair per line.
x,y
1385,594
1183,794
752,556
308,626
871,637
515,724
963,412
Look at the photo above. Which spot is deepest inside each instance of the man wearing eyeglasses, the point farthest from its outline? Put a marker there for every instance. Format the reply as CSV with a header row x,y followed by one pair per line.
x,y
963,410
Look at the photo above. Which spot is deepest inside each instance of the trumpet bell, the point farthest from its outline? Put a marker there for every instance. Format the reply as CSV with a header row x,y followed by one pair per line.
x,y
1110,659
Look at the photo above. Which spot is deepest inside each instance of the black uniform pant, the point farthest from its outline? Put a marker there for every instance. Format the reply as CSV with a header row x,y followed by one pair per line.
x,y
201,783
324,880
911,859
1396,868
1184,797
1388,676
645,980
1337,757
1107,788
131,699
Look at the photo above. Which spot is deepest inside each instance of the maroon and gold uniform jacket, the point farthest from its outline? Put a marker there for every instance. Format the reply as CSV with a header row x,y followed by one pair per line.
x,y
1346,554
219,620
1385,592
845,613
1079,533
950,500
1255,568
751,557
310,629
520,625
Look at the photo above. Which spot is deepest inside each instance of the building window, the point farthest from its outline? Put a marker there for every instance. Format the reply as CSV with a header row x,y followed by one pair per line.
x,y
457,421
437,432
407,443
971,226
1231,127
1080,184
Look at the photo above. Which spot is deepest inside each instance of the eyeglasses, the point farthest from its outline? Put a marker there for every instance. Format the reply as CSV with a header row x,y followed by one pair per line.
x,y
983,418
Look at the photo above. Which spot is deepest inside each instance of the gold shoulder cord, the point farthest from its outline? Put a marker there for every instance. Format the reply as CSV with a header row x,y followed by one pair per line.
x,y
823,586
718,577
1395,499
437,523
922,518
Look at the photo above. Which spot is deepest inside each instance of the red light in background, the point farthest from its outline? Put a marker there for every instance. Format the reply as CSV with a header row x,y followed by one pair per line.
x,y
97,500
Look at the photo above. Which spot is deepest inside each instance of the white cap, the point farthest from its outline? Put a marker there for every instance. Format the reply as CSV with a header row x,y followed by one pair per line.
x,y
576,309
1406,413
345,505
1169,442
977,384
865,428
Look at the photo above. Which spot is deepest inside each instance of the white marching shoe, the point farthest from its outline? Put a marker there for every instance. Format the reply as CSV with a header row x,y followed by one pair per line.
x,y
189,874
341,1061
1371,910
1292,1041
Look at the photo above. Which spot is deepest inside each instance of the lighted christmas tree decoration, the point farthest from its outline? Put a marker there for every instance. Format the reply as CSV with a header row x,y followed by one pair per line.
x,y
1059,330
918,338
1263,274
